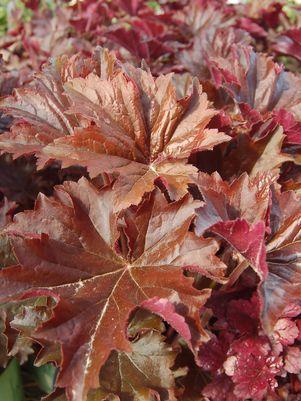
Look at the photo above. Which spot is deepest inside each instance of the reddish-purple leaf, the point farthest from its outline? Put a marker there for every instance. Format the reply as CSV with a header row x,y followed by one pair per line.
x,y
70,248
122,122
252,367
247,240
285,331
166,310
289,43
255,80
244,198
292,360
282,287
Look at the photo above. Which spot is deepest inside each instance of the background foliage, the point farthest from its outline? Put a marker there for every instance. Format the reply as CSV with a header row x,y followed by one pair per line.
x,y
191,163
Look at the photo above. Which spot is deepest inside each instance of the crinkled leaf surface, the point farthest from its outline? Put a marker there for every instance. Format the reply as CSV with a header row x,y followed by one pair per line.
x,y
18,320
140,374
252,366
113,119
282,287
247,240
289,43
264,155
237,212
72,248
256,80
244,198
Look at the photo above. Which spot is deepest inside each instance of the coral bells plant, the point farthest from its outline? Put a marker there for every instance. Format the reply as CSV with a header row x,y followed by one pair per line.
x,y
150,210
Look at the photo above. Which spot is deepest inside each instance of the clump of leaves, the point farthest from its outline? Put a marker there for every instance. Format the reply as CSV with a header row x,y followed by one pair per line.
x,y
161,258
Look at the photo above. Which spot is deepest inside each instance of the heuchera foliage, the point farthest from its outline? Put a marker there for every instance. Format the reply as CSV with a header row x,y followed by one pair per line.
x,y
150,208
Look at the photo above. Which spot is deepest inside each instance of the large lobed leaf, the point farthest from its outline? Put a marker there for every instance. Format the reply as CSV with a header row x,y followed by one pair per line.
x,y
255,81
263,226
113,119
282,287
99,269
117,295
